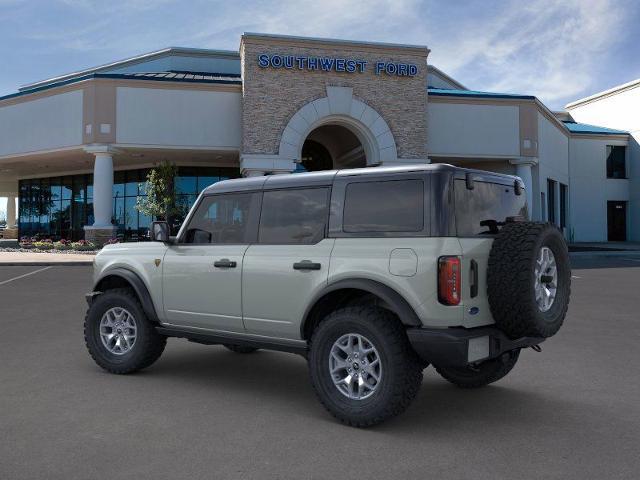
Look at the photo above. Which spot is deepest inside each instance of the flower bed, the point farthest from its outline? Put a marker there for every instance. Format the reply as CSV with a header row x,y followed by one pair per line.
x,y
46,245
53,251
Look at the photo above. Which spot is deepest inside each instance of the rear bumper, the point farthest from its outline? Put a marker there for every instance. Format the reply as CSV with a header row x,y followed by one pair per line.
x,y
459,347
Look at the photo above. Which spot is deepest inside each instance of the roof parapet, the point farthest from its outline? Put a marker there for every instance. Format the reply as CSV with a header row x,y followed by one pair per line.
x,y
605,93
133,61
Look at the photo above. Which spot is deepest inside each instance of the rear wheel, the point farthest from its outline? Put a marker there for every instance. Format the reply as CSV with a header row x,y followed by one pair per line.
x,y
119,336
362,367
483,374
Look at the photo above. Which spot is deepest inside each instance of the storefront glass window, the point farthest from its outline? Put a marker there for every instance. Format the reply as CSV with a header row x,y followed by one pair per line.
x,y
59,207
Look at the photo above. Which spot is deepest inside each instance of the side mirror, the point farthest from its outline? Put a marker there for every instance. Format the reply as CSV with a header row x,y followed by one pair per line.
x,y
160,232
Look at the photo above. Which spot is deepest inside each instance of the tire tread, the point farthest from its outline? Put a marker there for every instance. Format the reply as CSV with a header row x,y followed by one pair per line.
x,y
406,386
509,281
153,344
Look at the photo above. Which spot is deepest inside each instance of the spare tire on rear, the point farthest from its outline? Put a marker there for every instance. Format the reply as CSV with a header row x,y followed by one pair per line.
x,y
529,279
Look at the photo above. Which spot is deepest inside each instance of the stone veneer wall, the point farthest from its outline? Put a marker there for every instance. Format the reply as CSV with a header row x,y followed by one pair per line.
x,y
272,96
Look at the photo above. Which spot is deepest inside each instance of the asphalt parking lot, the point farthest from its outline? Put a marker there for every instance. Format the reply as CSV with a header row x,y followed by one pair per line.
x,y
572,411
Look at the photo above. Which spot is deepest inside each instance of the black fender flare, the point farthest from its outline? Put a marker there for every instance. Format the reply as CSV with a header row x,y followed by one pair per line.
x,y
393,299
139,287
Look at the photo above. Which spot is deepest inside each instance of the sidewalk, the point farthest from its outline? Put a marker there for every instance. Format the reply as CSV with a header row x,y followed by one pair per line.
x,y
38,259
605,247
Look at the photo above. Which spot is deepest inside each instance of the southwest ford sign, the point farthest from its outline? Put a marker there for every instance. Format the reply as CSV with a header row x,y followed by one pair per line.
x,y
334,64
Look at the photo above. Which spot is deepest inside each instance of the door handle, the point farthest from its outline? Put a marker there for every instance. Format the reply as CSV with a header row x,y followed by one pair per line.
x,y
474,279
306,265
224,263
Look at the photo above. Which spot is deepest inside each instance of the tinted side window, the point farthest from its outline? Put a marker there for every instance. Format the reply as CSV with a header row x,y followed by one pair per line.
x,y
389,206
224,219
296,216
478,210
616,167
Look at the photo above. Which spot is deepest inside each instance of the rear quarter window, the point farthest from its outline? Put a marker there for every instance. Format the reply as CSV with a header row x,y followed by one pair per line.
x,y
384,206
478,211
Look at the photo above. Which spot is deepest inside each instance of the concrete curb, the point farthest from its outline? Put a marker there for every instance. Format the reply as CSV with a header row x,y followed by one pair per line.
x,y
610,253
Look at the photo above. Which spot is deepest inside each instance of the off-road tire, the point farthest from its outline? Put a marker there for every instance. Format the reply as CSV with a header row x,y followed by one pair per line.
x,y
401,368
483,374
148,346
240,348
511,279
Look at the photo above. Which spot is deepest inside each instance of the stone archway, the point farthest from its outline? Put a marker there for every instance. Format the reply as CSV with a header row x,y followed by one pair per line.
x,y
332,146
340,108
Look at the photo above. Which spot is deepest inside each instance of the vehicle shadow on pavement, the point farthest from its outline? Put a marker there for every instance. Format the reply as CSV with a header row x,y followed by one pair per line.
x,y
272,375
282,379
442,407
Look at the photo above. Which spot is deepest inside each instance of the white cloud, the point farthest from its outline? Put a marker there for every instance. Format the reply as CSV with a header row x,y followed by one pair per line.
x,y
541,47
547,48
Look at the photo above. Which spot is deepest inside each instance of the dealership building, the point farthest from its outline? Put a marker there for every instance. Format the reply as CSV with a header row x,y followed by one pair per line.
x,y
75,149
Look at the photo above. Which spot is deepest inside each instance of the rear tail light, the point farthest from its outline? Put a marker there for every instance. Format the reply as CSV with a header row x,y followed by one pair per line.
x,y
449,280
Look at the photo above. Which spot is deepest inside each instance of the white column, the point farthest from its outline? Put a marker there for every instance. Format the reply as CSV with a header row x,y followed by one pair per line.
x,y
103,189
11,212
255,164
252,173
523,170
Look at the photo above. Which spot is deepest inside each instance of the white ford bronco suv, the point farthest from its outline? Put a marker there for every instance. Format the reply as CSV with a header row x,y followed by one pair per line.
x,y
371,274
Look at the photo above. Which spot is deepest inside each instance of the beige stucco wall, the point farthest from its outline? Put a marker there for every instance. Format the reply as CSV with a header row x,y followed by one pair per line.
x,y
50,122
178,117
619,110
272,96
590,189
460,129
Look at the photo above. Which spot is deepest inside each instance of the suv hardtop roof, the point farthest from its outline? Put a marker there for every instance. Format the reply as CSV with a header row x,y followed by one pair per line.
x,y
326,177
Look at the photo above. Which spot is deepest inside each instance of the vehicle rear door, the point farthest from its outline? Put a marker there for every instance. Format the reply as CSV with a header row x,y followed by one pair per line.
x,y
290,262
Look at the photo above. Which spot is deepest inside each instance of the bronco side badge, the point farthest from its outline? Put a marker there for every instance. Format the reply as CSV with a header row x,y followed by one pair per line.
x,y
157,262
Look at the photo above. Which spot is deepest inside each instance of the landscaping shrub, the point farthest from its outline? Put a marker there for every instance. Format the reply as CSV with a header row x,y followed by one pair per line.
x,y
43,244
62,245
83,245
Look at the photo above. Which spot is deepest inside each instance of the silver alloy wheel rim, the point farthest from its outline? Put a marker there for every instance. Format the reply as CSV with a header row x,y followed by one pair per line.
x,y
355,367
546,279
118,331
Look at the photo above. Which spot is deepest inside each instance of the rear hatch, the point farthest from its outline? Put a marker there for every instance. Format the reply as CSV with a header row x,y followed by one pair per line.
x,y
483,203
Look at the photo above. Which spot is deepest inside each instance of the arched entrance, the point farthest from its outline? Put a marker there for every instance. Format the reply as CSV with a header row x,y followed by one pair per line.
x,y
332,146
337,130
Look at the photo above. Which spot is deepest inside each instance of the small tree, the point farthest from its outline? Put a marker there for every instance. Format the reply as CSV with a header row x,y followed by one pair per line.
x,y
160,201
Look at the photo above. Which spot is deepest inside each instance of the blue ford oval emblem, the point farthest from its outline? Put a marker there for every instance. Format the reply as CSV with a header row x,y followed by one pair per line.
x,y
474,311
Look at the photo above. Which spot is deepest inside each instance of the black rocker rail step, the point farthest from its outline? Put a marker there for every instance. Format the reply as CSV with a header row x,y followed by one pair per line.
x,y
212,338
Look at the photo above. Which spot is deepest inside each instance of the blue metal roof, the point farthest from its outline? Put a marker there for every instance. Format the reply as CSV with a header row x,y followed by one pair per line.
x,y
585,128
188,77
176,75
444,92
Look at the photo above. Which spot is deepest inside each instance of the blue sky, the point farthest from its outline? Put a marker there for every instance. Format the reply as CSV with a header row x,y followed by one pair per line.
x,y
557,50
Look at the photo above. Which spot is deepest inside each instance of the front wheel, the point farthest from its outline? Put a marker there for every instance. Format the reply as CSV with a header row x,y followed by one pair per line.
x,y
483,374
118,334
362,367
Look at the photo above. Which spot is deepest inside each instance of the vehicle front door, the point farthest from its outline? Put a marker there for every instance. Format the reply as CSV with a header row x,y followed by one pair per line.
x,y
202,272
